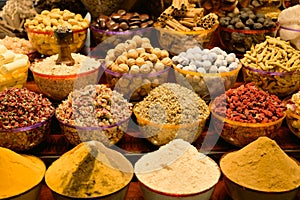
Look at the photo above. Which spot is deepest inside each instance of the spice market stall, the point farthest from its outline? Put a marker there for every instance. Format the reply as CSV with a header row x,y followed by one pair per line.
x,y
134,97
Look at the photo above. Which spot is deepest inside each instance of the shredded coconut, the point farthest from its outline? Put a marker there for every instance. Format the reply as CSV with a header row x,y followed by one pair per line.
x,y
177,168
82,64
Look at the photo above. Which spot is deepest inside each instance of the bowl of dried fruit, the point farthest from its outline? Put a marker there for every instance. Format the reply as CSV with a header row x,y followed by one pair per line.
x,y
243,114
94,112
40,30
277,75
239,31
163,115
25,119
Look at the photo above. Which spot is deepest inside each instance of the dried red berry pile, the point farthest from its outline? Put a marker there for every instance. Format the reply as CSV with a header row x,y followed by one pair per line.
x,y
249,104
22,107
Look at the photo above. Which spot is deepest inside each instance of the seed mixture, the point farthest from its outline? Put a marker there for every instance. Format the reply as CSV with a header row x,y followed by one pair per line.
x,y
262,165
171,103
22,107
93,105
248,104
177,168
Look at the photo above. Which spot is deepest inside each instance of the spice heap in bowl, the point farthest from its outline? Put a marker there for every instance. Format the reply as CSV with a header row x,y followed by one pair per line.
x,y
260,170
25,118
40,30
13,69
209,72
293,113
21,176
182,25
135,67
119,23
94,112
274,66
89,171
177,171
57,80
239,31
171,111
243,114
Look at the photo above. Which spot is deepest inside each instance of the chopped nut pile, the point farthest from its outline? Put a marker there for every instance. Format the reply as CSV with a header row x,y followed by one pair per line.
x,y
93,105
22,107
248,104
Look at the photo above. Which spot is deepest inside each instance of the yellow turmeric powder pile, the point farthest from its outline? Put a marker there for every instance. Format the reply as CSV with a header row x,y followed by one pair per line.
x,y
262,165
19,173
89,170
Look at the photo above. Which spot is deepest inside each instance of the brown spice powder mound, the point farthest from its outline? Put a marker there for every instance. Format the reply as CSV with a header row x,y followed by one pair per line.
x,y
262,165
89,170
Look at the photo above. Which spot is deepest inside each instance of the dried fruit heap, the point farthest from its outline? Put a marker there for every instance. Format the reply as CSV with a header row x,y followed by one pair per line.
x,y
22,107
248,104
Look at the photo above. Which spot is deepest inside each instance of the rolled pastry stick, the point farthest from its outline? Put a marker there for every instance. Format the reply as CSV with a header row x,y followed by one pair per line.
x,y
8,56
9,67
2,49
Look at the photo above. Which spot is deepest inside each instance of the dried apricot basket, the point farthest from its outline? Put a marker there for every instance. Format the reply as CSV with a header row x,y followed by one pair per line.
x,y
240,134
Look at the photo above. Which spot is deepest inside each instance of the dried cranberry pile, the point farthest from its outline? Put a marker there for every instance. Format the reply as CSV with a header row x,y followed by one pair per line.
x,y
249,104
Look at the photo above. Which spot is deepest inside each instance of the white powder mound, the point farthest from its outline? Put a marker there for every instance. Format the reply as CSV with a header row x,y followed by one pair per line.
x,y
177,168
